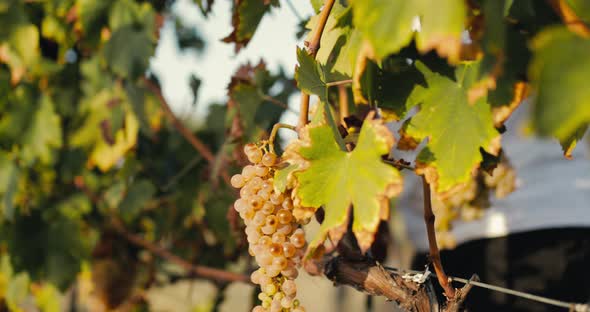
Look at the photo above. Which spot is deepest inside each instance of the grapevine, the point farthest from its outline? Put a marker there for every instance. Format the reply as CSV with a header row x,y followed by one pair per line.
x,y
103,182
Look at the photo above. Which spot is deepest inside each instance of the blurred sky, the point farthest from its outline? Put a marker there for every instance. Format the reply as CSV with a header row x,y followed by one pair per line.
x,y
274,41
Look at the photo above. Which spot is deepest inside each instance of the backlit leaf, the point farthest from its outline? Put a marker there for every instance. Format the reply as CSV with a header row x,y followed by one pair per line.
x,y
455,128
559,71
336,179
388,25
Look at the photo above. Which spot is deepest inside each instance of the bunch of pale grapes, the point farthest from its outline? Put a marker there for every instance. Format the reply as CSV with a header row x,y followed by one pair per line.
x,y
502,179
468,201
275,238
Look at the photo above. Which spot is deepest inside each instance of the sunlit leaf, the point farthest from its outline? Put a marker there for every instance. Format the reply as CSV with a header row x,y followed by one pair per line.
x,y
388,25
455,128
336,179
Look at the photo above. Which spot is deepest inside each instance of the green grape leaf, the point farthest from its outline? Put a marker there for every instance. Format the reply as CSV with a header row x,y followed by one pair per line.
x,y
75,206
310,75
569,144
456,129
129,12
317,5
137,98
331,33
340,42
43,135
282,176
22,51
114,195
581,8
387,25
249,100
559,73
252,96
247,14
8,185
137,196
376,82
336,179
125,62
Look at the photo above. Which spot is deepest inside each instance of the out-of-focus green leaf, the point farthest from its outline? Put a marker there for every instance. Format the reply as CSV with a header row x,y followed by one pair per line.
x,y
17,291
125,62
317,4
22,51
44,134
138,194
137,98
249,99
93,15
581,8
75,206
568,145
559,73
247,14
114,195
8,185
388,25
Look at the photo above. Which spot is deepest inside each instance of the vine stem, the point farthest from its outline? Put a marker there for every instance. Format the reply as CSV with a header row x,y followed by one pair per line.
x,y
343,103
569,18
429,218
313,48
197,270
184,131
277,103
339,83
273,134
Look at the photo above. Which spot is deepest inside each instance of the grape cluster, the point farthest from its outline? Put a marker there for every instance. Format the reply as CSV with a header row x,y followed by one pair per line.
x,y
274,236
468,201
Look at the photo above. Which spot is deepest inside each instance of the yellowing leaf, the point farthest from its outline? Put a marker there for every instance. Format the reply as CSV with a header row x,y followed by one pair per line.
x,y
336,179
105,156
387,24
456,129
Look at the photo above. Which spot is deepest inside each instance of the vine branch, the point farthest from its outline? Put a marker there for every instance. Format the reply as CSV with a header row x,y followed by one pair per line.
x,y
184,131
371,278
338,83
433,247
278,103
196,270
313,48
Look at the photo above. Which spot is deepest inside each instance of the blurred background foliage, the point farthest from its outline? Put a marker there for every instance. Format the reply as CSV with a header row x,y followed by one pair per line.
x,y
88,154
